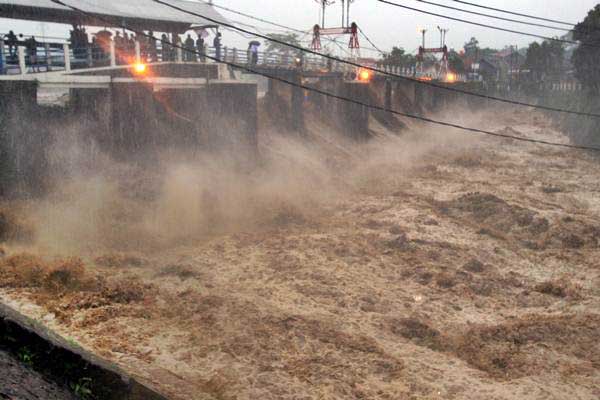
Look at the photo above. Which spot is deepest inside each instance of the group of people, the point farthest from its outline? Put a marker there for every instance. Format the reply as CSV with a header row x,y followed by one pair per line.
x,y
79,42
191,49
151,48
97,51
13,41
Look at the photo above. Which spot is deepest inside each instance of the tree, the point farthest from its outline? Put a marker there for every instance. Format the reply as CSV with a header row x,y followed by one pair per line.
x,y
455,62
545,59
586,58
472,49
275,47
398,56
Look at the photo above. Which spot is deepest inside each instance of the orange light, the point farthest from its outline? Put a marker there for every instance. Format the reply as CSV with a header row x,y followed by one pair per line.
x,y
364,75
139,68
450,77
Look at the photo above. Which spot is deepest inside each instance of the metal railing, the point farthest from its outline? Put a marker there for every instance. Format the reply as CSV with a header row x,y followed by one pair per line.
x,y
55,56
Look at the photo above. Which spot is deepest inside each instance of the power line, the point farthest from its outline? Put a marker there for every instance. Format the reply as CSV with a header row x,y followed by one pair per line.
x,y
343,98
257,18
369,40
493,16
487,26
277,24
515,13
383,72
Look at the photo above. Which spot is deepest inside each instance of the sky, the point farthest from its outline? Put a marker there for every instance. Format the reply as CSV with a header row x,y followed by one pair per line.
x,y
385,25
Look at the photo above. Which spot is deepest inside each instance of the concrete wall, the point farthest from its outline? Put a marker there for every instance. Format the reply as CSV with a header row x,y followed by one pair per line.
x,y
129,121
292,105
234,108
22,138
163,70
353,118
134,119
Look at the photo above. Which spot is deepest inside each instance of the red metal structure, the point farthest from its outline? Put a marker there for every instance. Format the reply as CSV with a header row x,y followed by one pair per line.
x,y
346,29
352,30
443,68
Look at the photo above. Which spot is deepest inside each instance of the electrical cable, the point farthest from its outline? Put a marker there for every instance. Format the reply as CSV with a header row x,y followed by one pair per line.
x,y
488,26
276,24
493,16
383,72
257,18
369,40
515,13
343,98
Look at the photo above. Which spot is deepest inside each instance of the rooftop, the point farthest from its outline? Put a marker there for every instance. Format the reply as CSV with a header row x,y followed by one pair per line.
x,y
137,14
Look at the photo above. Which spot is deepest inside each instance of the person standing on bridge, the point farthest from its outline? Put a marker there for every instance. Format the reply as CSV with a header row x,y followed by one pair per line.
x,y
11,41
177,48
32,44
217,46
253,50
201,48
165,49
119,47
190,55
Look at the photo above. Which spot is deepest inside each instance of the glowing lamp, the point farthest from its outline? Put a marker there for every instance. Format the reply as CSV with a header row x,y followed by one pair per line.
x,y
139,68
450,77
364,75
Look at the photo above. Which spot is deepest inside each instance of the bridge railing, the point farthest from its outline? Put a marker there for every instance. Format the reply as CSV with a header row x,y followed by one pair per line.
x,y
55,56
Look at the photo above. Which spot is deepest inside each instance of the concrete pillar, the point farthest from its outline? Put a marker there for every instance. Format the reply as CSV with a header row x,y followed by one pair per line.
x,y
19,95
235,104
133,116
93,106
297,105
67,57
90,56
2,58
48,55
23,143
388,94
138,52
354,118
113,54
22,64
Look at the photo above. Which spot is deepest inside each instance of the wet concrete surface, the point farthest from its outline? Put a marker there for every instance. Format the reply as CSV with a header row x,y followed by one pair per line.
x,y
18,382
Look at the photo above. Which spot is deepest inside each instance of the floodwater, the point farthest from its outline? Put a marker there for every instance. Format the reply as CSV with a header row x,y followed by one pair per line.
x,y
423,264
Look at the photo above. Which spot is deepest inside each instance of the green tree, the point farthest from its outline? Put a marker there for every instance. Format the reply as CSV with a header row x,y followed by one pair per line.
x,y
398,56
586,57
545,59
455,62
279,48
472,49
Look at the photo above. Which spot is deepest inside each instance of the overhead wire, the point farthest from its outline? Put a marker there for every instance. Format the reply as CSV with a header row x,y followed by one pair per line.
x,y
493,16
553,39
257,18
266,21
339,97
369,40
515,13
381,71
